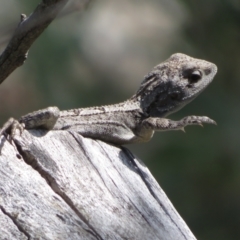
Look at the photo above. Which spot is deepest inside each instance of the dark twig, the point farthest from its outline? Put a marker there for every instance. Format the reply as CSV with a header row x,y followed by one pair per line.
x,y
27,31
71,7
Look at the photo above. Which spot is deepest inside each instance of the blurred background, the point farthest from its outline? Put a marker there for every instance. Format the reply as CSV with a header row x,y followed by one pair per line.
x,y
99,55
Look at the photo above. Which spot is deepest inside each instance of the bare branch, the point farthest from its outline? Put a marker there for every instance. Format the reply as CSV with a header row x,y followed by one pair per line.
x,y
71,7
26,33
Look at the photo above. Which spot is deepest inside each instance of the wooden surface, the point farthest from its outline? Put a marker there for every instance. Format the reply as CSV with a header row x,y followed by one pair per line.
x,y
65,186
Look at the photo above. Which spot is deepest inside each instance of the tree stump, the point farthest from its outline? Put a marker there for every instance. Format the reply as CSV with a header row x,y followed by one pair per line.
x,y
60,185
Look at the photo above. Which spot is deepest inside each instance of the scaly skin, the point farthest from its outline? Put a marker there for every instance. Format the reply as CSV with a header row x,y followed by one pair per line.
x,y
166,89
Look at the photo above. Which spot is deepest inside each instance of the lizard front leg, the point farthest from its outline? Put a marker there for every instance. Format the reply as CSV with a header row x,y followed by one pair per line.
x,y
163,124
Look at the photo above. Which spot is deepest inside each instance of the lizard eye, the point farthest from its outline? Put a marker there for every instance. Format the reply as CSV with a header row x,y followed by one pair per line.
x,y
195,76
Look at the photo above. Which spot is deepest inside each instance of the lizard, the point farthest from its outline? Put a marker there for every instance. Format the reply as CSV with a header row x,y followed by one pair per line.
x,y
164,90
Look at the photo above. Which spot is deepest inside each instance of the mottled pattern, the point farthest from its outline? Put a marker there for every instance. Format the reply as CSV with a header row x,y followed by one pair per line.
x,y
166,89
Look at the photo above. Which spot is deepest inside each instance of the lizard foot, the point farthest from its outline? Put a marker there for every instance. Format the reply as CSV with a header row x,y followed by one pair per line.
x,y
11,127
196,120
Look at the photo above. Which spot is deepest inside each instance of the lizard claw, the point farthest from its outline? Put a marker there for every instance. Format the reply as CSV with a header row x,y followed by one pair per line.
x,y
182,129
213,122
12,127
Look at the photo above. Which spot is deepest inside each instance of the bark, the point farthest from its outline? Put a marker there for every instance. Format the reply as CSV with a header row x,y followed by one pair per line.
x,y
59,185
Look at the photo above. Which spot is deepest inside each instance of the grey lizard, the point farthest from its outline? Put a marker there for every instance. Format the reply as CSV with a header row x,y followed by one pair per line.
x,y
164,90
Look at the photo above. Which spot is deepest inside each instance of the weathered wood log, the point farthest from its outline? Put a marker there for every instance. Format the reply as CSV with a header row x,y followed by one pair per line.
x,y
59,185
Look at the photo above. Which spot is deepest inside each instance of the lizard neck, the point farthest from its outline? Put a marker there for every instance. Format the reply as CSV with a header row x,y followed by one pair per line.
x,y
128,105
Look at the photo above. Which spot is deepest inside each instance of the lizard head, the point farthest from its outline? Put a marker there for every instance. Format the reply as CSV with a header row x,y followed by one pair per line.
x,y
174,83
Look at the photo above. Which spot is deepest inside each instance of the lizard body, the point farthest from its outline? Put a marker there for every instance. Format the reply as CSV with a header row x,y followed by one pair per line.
x,y
166,89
